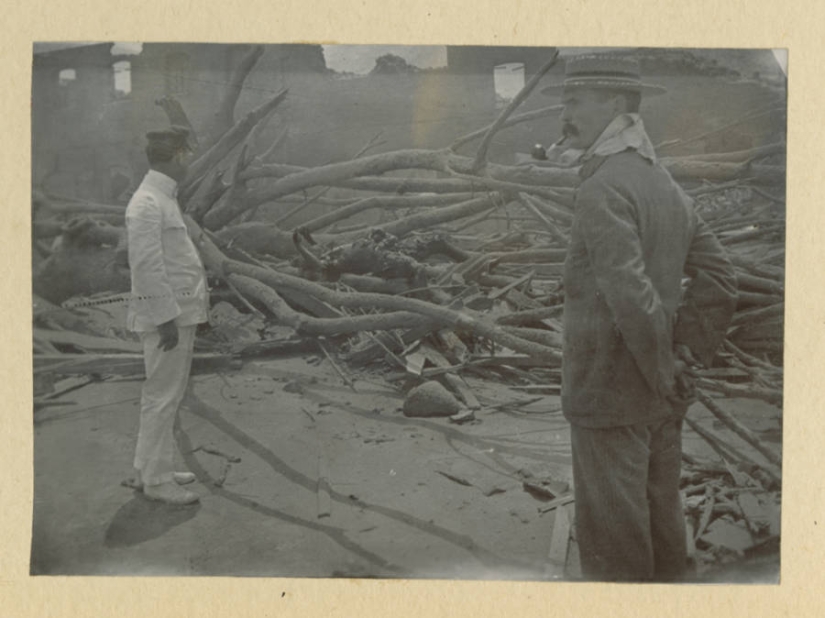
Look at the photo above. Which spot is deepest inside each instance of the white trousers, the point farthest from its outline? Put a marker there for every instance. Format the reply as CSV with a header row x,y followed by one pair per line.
x,y
167,374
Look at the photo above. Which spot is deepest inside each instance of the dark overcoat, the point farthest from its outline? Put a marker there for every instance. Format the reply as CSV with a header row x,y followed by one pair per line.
x,y
636,241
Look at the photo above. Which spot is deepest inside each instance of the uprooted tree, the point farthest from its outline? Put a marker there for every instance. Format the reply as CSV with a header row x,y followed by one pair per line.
x,y
421,270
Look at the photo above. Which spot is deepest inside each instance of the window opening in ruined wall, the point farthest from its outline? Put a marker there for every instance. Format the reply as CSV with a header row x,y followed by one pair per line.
x,y
123,77
508,80
66,77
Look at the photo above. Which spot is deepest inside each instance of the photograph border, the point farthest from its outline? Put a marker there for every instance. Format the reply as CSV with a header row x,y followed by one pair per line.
x,y
689,23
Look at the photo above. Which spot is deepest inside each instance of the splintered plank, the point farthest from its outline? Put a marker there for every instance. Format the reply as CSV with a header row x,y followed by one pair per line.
x,y
560,539
573,568
324,501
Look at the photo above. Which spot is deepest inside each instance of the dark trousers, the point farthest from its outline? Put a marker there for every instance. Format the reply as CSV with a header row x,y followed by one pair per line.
x,y
630,525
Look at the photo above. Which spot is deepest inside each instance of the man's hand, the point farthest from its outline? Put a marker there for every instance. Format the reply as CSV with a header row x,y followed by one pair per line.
x,y
168,336
684,364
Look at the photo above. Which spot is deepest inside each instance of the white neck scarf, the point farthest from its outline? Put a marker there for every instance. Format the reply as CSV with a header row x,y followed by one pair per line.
x,y
624,131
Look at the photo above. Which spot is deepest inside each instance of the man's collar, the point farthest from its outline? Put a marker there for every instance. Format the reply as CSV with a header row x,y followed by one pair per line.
x,y
163,183
626,131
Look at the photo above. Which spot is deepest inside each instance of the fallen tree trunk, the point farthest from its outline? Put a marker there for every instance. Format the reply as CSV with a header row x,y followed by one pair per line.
x,y
463,321
323,327
232,138
391,185
532,178
386,202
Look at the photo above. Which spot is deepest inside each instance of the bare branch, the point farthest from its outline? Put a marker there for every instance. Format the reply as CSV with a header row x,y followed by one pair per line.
x,y
481,155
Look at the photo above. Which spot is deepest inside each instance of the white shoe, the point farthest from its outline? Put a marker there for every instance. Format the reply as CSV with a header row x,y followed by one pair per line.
x,y
184,478
181,478
170,493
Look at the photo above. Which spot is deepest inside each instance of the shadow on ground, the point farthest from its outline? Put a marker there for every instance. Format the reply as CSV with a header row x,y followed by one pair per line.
x,y
141,520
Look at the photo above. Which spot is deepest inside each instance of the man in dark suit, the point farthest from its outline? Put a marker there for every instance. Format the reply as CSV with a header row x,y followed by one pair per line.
x,y
630,329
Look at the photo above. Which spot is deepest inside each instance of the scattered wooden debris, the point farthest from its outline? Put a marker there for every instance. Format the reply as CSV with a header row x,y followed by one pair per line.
x,y
322,488
559,539
433,272
729,516
546,489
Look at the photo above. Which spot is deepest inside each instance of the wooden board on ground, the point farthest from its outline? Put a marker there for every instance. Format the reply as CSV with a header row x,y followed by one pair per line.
x,y
573,568
560,539
324,500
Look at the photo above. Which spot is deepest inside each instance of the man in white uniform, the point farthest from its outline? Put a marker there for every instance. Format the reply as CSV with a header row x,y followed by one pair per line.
x,y
169,299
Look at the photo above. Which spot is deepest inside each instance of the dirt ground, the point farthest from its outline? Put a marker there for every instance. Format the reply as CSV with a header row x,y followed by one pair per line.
x,y
301,476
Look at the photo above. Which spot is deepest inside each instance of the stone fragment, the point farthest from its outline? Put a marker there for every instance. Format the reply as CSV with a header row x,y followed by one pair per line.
x,y
430,399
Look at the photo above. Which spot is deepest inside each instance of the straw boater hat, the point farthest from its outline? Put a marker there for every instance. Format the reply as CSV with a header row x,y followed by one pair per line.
x,y
603,71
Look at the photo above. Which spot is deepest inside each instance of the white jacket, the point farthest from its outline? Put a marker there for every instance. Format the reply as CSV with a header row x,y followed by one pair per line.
x,y
168,278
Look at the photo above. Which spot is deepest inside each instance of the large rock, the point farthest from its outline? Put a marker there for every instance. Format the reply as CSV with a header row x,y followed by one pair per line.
x,y
430,399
